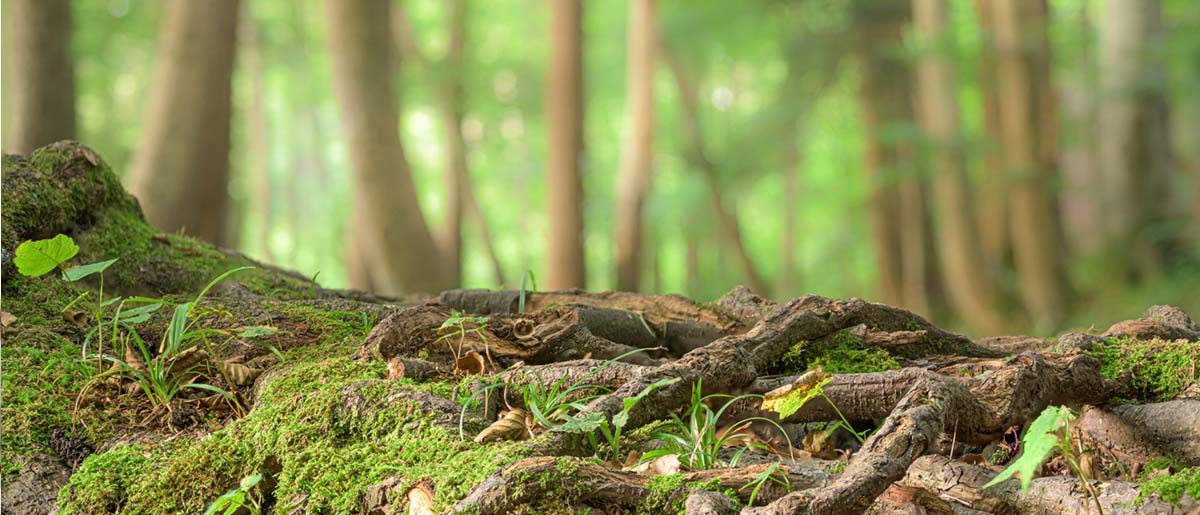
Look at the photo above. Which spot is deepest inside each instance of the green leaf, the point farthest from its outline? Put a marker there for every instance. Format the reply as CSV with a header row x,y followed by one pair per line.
x,y
177,327
79,272
36,258
1039,443
622,418
795,399
256,330
585,423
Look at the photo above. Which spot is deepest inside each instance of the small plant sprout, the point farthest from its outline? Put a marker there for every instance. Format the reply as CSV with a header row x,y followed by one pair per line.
x,y
457,323
761,480
238,498
1048,433
531,281
695,437
590,422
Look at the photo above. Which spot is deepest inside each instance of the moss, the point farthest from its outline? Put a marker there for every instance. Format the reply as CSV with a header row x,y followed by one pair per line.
x,y
1173,487
322,452
842,353
669,492
1156,370
103,481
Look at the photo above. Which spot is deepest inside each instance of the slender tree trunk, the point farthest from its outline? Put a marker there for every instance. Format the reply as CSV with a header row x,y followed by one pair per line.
x,y
637,161
1134,156
1026,113
1082,192
692,268
39,74
564,115
180,171
967,279
991,195
257,123
399,248
884,100
694,152
791,193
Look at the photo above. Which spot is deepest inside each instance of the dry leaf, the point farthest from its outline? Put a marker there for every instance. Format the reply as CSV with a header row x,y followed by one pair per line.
x,y
134,360
631,459
420,498
241,375
659,466
189,359
510,427
799,391
395,368
6,318
470,363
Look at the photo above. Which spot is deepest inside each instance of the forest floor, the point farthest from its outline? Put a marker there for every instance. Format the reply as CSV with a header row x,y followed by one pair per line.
x,y
268,392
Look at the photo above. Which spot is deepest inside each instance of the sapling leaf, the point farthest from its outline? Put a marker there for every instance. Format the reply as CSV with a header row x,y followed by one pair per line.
x,y
1040,441
79,272
36,258
622,418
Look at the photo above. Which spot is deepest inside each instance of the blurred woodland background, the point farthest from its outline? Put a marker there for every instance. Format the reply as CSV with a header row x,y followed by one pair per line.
x,y
991,164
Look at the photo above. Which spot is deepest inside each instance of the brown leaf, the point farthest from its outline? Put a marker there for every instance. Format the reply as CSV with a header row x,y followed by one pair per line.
x,y
241,375
510,427
6,318
420,498
631,459
75,317
470,363
188,360
133,359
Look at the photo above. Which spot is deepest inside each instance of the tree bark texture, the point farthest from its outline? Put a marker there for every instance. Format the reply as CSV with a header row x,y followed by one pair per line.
x,y
637,159
39,74
564,124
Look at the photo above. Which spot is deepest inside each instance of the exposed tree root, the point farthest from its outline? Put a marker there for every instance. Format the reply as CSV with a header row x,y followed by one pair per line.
x,y
1134,434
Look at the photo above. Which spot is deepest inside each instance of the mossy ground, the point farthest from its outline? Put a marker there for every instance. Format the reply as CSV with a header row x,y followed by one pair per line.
x,y
326,458
1150,370
843,353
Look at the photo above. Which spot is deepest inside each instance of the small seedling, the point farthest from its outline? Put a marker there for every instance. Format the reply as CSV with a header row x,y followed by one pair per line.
x,y
238,498
1048,433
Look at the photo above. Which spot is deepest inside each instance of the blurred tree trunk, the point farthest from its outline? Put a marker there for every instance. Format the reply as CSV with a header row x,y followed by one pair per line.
x,y
400,251
991,194
39,74
1082,192
898,213
564,124
637,160
449,88
180,170
1027,121
694,152
1134,159
257,123
967,279
787,284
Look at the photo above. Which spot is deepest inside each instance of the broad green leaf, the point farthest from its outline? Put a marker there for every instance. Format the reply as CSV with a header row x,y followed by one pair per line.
x,y
79,272
36,258
1039,443
787,400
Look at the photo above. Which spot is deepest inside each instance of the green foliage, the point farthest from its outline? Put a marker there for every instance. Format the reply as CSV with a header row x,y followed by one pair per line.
x,y
790,403
237,499
843,353
761,480
590,422
36,258
531,281
1156,370
80,272
1045,435
1172,487
695,437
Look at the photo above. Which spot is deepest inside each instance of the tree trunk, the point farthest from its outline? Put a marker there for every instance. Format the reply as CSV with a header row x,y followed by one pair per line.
x,y
991,195
451,112
967,278
1082,195
40,75
1026,120
180,170
399,248
885,100
1134,156
257,124
564,123
637,161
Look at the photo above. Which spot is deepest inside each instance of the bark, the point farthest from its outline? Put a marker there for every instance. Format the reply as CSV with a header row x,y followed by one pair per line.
x,y
1135,434
962,483
637,159
991,194
1134,160
1163,322
39,75
1026,112
967,279
399,249
564,124
1081,194
180,170
694,152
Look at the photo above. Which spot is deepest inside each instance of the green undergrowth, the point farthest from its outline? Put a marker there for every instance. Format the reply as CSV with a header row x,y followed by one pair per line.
x,y
663,497
1172,487
1156,370
843,353
326,456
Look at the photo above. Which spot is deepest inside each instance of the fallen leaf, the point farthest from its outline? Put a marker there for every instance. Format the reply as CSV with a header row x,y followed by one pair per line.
x,y
510,427
241,375
659,466
420,498
6,318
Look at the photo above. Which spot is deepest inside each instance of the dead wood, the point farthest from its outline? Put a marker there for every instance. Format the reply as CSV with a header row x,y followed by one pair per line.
x,y
1135,434
589,485
1163,322
961,483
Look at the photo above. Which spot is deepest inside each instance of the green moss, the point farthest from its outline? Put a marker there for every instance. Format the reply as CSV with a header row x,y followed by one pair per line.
x,y
103,481
324,451
1156,370
842,353
1171,488
669,492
